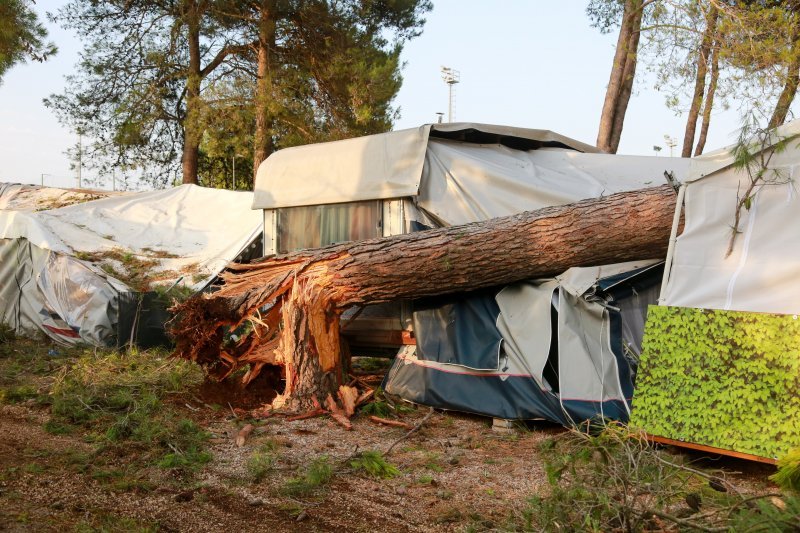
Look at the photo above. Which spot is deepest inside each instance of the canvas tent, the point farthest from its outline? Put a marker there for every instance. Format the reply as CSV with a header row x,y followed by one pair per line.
x,y
761,274
563,349
721,359
61,270
25,197
447,174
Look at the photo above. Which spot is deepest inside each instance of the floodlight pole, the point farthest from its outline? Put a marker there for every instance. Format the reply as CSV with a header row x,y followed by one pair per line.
x,y
672,142
450,76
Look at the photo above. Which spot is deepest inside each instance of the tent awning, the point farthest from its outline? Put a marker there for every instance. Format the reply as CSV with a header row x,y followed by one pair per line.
x,y
376,167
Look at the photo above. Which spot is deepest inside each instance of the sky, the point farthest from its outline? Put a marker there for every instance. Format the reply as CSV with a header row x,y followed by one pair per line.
x,y
526,63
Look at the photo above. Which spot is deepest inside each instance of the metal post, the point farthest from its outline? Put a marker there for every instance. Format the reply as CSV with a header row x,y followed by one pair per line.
x,y
234,172
673,237
80,157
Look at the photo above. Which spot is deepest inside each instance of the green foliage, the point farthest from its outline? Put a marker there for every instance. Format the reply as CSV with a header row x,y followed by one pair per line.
x,y
17,394
788,474
262,461
22,36
333,71
616,481
316,475
6,333
373,464
720,378
119,398
382,407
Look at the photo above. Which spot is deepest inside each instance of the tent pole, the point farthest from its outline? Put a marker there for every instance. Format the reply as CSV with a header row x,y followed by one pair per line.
x,y
673,237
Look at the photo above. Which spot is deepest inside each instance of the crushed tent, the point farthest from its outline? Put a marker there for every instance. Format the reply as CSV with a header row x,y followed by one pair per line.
x,y
563,349
96,272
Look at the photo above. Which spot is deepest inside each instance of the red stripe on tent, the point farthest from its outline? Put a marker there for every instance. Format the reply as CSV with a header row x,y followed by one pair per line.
x,y
486,374
489,374
63,332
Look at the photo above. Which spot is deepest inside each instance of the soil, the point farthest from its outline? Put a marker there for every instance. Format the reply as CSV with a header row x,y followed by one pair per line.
x,y
456,474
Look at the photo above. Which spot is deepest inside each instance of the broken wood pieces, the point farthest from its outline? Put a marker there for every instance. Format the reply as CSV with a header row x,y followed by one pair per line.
x,y
337,413
245,432
349,397
387,422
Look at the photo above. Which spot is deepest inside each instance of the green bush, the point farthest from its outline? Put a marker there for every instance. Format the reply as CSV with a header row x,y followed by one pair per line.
x,y
120,398
788,474
617,481
373,464
316,475
262,461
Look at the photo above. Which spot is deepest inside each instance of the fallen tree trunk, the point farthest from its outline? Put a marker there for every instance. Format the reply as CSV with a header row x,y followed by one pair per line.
x,y
294,302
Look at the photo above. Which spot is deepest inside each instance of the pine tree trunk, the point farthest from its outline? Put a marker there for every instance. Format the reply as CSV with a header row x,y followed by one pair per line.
x,y
613,104
191,122
789,90
263,145
708,103
294,302
628,75
703,55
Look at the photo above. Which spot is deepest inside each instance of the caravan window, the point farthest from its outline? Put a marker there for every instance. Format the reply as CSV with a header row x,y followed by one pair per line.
x,y
321,225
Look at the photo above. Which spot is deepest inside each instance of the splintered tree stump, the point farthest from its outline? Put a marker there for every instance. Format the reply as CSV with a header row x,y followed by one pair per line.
x,y
293,302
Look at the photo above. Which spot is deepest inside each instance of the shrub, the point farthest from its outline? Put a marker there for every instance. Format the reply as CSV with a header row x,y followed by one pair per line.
x,y
373,464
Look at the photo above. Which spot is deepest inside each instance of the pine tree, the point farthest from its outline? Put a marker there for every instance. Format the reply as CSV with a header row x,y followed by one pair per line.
x,y
22,36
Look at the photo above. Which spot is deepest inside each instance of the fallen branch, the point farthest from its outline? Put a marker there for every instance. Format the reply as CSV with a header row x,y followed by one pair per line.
x,y
410,432
365,397
245,432
387,422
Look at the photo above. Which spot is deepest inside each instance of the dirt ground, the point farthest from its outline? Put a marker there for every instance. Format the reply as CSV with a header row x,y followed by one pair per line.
x,y
455,474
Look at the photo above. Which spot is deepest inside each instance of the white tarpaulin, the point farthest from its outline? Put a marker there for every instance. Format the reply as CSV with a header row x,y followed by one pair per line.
x,y
187,231
376,167
373,167
583,342
761,274
464,182
23,197
50,275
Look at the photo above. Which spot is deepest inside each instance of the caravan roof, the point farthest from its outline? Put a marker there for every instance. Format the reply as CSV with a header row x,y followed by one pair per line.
x,y
457,173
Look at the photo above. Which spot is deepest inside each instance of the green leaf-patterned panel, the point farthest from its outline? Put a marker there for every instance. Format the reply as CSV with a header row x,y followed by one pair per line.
x,y
726,379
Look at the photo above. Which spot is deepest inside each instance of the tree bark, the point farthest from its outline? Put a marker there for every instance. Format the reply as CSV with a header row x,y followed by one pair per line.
x,y
621,79
708,103
191,123
266,46
294,302
628,75
703,55
789,90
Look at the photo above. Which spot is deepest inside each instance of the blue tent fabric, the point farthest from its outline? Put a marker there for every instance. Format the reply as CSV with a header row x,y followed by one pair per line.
x,y
458,363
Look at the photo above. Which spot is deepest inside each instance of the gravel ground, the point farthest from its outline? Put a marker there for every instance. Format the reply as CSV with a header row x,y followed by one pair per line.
x,y
455,472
